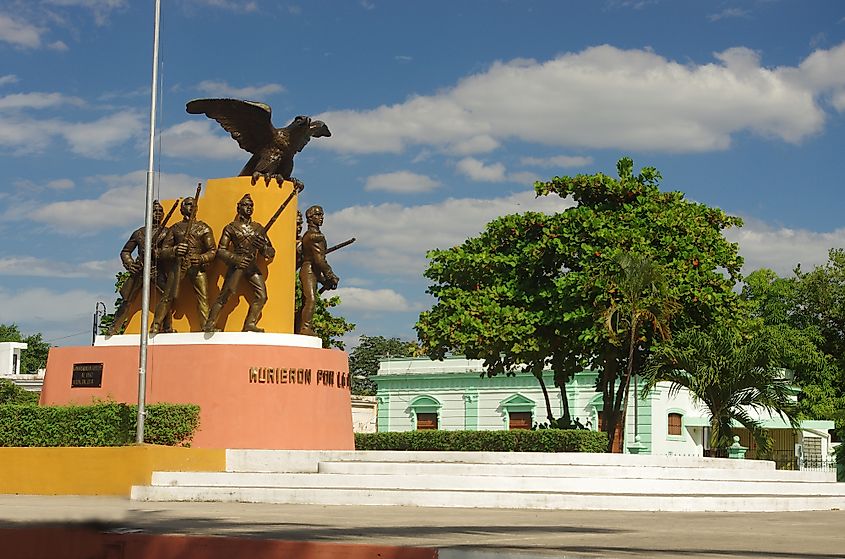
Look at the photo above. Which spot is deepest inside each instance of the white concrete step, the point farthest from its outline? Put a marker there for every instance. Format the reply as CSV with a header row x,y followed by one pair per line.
x,y
501,480
495,483
573,471
306,460
490,499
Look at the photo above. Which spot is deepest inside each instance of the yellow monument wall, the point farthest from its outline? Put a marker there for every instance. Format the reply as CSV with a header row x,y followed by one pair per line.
x,y
218,207
97,470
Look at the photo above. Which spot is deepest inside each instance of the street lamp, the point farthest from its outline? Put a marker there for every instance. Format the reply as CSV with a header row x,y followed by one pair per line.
x,y
99,313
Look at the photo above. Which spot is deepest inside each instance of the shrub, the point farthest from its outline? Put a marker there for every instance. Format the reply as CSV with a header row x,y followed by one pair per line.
x,y
102,424
518,440
11,393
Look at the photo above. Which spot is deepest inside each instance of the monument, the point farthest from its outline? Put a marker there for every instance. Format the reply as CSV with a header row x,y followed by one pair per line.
x,y
223,333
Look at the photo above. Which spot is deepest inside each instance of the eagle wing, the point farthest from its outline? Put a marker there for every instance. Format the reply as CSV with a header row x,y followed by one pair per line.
x,y
248,122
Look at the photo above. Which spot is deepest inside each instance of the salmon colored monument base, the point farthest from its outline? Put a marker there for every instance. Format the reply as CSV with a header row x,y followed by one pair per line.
x,y
250,395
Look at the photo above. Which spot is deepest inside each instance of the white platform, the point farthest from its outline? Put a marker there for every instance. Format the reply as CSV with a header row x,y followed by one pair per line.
x,y
501,480
217,338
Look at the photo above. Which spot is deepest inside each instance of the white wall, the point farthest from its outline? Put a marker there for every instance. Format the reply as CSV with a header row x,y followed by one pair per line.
x,y
7,352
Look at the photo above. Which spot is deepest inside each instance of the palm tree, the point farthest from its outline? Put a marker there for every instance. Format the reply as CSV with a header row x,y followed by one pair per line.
x,y
730,375
642,303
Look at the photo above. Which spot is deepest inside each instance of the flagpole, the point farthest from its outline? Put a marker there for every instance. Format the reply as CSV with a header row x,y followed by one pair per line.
x,y
148,235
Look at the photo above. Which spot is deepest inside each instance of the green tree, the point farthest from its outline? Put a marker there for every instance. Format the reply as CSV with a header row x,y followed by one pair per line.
x,y
822,292
364,359
788,313
641,305
329,327
108,318
34,357
533,291
730,375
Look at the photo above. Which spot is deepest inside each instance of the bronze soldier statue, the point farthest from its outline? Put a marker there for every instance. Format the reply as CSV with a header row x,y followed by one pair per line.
x,y
135,266
314,269
241,242
298,239
190,245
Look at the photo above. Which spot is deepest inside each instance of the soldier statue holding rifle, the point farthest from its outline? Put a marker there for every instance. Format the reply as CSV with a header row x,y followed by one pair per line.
x,y
242,241
135,266
190,245
314,269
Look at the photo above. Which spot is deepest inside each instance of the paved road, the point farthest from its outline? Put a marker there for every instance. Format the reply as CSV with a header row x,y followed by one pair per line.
x,y
463,533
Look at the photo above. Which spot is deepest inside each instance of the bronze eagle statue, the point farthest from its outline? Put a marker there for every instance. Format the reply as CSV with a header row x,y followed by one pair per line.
x,y
272,148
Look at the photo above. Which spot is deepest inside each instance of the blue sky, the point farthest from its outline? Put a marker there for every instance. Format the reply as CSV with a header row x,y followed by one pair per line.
x,y
443,113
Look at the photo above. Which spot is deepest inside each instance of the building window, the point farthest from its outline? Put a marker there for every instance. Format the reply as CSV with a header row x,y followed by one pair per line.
x,y
674,422
426,421
15,364
519,420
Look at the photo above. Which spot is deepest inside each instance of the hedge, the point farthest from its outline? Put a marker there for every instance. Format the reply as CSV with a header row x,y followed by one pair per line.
x,y
518,440
103,424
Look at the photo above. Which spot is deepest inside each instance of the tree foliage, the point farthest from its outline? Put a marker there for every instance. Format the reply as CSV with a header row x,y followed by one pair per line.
x,y
644,300
533,290
34,357
364,359
729,374
798,315
108,319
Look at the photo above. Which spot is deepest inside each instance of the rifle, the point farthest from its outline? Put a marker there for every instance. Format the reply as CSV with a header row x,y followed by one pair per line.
x,y
332,249
340,245
182,263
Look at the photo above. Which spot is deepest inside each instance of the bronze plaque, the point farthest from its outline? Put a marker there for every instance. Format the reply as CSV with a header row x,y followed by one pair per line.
x,y
87,375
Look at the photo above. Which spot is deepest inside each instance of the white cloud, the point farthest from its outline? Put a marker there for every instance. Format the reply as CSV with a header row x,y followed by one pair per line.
x,y
356,298
223,89
59,46
563,161
479,171
100,8
482,143
60,184
91,139
39,305
95,139
8,78
393,239
403,182
120,205
37,100
30,266
524,177
20,33
728,13
197,138
242,6
782,248
606,98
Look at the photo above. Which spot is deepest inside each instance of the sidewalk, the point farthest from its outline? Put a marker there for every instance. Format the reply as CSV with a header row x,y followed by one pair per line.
x,y
459,533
